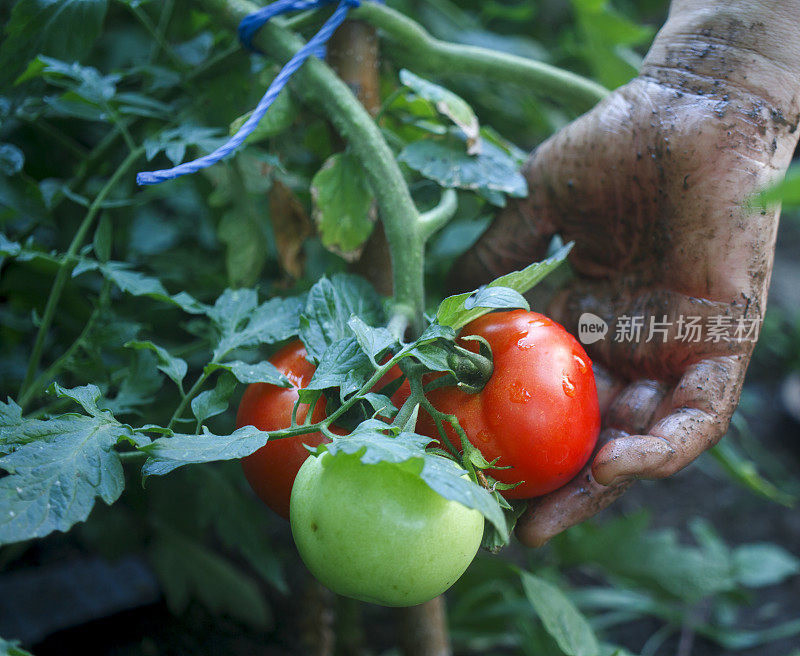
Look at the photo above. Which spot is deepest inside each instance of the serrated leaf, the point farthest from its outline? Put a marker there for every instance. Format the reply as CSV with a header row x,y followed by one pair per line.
x,y
560,617
60,28
330,304
188,570
138,284
447,479
174,367
57,467
214,402
343,205
374,442
496,298
373,341
449,104
449,165
371,441
260,372
343,365
242,322
168,453
452,311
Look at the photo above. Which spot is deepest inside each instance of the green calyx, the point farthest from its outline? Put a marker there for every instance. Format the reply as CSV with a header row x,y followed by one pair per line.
x,y
472,370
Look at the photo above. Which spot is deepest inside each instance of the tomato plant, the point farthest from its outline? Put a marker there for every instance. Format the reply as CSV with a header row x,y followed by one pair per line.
x,y
377,532
538,413
271,470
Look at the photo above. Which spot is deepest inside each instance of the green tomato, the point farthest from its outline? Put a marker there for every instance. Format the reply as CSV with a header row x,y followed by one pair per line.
x,y
377,532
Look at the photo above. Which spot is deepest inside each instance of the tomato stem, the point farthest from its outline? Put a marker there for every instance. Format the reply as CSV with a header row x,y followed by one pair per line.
x,y
428,53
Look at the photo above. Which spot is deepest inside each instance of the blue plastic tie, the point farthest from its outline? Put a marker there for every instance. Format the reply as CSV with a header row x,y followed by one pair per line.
x,y
247,29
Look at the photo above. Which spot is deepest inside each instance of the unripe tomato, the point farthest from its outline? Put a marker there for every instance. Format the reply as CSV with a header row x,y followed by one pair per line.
x,y
538,413
378,533
271,470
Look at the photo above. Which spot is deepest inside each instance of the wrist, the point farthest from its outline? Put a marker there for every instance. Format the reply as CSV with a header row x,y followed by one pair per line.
x,y
728,50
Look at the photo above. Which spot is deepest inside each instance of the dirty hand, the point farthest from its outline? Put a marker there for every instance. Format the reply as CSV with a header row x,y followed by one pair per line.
x,y
655,186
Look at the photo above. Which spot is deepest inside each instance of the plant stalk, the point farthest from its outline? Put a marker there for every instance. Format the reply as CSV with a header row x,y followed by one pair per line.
x,y
428,53
65,267
318,84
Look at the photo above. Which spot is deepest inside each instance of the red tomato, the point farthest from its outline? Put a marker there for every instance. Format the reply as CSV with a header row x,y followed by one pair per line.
x,y
538,413
272,469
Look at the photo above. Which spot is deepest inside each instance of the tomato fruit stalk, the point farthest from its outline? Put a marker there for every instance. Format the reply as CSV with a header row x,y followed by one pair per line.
x,y
538,413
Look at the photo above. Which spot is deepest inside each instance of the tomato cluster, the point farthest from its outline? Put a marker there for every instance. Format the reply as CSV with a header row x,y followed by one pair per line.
x,y
377,532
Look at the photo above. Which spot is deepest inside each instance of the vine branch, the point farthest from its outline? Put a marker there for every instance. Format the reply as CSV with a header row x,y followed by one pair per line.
x,y
317,83
431,54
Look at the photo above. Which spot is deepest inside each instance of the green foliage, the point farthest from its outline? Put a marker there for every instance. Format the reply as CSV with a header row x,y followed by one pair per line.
x,y
343,205
185,283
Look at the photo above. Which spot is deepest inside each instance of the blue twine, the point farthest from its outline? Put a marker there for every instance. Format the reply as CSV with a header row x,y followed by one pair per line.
x,y
247,29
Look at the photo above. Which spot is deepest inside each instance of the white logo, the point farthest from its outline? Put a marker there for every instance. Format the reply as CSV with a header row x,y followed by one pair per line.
x,y
591,328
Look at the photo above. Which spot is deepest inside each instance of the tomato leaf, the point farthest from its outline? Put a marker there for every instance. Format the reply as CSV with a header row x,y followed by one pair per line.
x,y
343,365
449,165
138,284
496,298
374,444
343,205
215,401
373,341
453,311
168,453
449,104
65,29
261,372
560,617
445,477
242,322
331,302
57,467
175,368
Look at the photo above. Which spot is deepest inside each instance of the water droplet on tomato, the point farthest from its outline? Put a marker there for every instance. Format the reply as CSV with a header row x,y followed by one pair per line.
x,y
568,385
525,343
581,362
518,394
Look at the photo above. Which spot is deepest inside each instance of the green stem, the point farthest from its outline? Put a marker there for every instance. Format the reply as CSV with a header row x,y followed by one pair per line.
x,y
156,34
50,373
321,86
186,399
442,58
65,267
436,218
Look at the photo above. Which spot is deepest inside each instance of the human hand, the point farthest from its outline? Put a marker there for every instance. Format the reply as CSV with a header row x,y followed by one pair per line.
x,y
655,186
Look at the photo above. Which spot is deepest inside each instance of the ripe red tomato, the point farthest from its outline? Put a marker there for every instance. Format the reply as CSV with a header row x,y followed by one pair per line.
x,y
538,413
272,469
